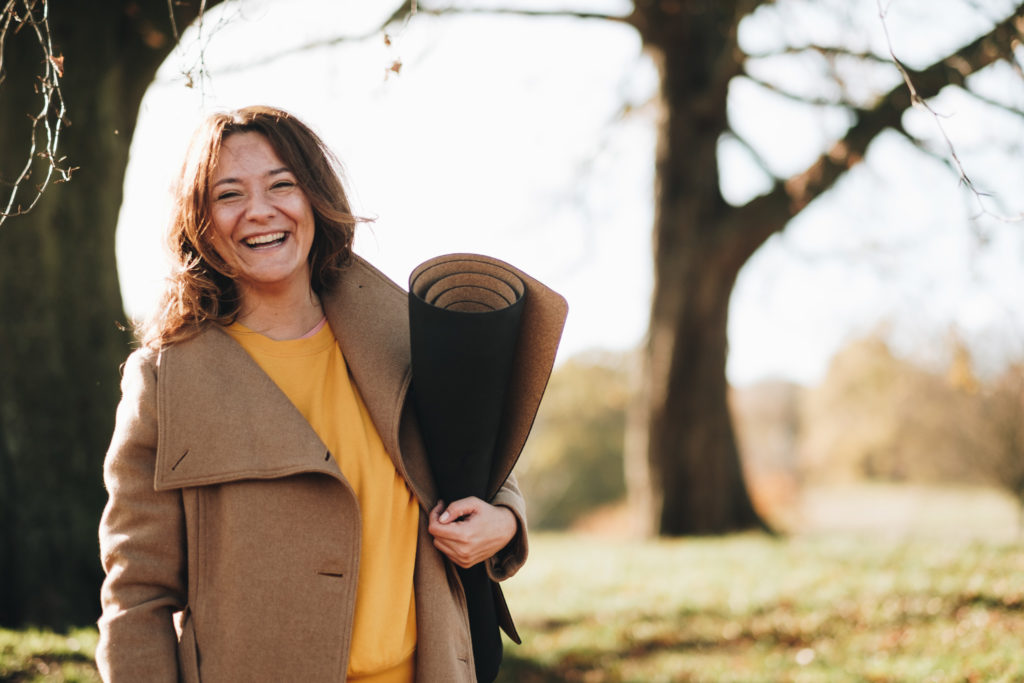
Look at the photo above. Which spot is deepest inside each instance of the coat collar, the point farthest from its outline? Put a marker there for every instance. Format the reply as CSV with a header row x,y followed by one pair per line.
x,y
223,419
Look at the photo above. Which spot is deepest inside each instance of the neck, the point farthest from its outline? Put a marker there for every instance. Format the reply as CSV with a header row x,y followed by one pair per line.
x,y
281,314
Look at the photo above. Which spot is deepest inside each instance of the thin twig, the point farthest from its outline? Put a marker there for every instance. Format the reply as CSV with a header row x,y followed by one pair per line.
x,y
174,24
51,117
756,156
789,95
995,104
823,50
917,101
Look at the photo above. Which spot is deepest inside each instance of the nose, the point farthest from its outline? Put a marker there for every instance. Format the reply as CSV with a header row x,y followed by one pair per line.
x,y
259,207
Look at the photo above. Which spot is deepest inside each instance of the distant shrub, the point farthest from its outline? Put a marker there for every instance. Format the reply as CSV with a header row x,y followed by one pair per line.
x,y
573,463
882,417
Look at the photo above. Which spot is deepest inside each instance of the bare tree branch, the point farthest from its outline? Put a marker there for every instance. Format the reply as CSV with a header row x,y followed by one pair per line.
x,y
768,213
758,159
823,50
918,101
508,11
996,104
403,13
1006,51
407,9
201,71
174,24
802,99
978,195
49,120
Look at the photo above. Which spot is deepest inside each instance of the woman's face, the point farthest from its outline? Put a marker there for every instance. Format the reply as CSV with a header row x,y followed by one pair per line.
x,y
263,223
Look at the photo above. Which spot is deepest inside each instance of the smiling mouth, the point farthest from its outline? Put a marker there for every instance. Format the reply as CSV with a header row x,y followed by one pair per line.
x,y
264,241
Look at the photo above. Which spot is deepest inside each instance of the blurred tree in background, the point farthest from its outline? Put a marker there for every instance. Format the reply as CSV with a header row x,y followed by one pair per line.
x,y
61,306
701,241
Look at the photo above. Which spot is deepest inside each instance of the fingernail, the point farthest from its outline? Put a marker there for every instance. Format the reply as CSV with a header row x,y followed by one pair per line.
x,y
445,516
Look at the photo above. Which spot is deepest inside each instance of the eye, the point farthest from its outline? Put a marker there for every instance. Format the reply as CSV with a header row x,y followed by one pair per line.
x,y
282,184
228,194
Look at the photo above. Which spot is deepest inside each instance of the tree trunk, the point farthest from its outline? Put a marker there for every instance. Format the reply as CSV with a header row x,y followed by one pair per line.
x,y
692,467
61,318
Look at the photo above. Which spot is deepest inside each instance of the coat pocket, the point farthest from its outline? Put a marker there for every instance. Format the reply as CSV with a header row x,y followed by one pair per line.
x,y
188,651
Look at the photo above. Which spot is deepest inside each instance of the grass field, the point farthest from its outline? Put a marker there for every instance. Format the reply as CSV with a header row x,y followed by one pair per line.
x,y
882,602
754,608
34,655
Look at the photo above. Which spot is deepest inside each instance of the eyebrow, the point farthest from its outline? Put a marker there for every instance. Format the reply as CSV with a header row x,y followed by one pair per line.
x,y
272,172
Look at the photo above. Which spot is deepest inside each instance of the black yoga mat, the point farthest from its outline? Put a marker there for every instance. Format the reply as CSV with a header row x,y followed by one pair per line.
x,y
464,318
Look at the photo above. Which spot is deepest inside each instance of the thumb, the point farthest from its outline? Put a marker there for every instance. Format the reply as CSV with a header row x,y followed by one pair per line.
x,y
459,509
436,511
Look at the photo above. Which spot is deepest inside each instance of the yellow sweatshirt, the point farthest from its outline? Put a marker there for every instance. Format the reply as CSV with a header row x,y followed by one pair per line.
x,y
312,373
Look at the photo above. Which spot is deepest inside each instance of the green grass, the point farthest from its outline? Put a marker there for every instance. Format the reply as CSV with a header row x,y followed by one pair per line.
x,y
839,607
752,608
36,655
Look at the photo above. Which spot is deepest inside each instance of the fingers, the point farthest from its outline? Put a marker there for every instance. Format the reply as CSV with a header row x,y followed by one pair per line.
x,y
469,530
461,509
458,553
436,511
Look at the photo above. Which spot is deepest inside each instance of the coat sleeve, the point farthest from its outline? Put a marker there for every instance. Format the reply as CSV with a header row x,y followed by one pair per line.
x,y
142,542
508,560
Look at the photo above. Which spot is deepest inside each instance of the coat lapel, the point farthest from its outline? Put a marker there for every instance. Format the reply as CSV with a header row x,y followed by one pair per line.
x,y
370,318
223,419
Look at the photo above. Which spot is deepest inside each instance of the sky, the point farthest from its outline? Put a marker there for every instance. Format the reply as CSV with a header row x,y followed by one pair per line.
x,y
505,136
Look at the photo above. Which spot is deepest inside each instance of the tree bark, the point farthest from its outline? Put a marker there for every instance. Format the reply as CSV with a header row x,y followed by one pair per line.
x,y
692,473
61,318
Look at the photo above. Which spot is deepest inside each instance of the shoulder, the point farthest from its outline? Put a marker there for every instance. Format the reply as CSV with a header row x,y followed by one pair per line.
x,y
138,373
143,359
360,280
146,365
366,301
359,267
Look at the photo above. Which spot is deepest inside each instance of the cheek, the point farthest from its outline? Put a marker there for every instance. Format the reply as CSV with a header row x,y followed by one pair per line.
x,y
219,223
222,222
306,221
219,235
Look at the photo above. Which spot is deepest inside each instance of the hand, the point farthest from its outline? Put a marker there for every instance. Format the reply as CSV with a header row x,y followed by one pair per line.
x,y
470,530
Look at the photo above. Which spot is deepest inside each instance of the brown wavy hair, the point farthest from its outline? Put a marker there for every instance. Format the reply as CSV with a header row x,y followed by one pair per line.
x,y
201,288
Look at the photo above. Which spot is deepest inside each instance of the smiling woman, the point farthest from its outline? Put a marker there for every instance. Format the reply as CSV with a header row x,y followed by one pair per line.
x,y
272,514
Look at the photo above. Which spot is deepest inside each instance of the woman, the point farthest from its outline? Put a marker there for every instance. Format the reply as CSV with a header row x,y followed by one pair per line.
x,y
272,515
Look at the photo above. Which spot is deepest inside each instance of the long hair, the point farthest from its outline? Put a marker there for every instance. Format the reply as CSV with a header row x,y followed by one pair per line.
x,y
201,288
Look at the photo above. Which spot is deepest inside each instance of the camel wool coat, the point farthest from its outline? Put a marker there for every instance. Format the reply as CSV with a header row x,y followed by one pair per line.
x,y
231,539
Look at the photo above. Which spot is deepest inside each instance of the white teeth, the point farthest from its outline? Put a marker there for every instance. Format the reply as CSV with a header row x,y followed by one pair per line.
x,y
264,239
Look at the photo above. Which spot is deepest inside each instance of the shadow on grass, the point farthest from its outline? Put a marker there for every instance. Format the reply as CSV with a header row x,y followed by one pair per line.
x,y
779,627
43,666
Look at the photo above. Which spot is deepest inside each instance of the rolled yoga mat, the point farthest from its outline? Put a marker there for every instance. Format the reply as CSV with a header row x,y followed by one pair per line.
x,y
464,316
